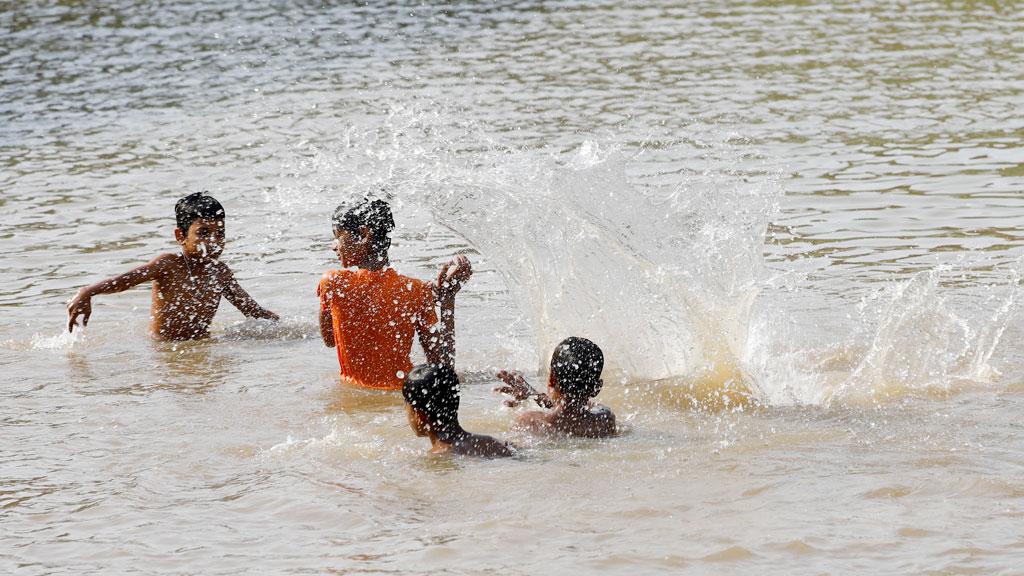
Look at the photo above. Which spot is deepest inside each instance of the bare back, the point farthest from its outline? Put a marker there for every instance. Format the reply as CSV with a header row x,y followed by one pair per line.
x,y
594,422
482,446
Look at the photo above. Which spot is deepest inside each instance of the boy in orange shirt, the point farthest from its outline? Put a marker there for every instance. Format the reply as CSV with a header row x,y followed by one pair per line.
x,y
371,314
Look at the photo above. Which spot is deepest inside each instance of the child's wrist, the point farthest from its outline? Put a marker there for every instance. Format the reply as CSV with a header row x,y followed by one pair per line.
x,y
542,400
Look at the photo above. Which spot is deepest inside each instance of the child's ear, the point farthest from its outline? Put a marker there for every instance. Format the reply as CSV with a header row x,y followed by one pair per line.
x,y
424,423
179,235
365,234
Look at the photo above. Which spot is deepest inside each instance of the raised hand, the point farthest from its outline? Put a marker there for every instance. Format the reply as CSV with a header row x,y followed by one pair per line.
x,y
514,385
452,276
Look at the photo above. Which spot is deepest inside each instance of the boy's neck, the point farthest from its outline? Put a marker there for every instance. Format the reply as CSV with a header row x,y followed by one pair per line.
x,y
438,445
374,262
570,409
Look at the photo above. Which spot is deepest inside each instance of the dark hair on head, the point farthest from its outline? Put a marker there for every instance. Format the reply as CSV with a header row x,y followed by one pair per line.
x,y
434,391
577,364
374,214
198,205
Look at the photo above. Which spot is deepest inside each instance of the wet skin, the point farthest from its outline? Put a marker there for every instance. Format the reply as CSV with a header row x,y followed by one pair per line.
x,y
569,416
464,443
187,287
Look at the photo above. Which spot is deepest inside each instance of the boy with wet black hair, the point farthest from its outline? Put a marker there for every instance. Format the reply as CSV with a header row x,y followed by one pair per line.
x,y
187,286
369,312
432,404
574,379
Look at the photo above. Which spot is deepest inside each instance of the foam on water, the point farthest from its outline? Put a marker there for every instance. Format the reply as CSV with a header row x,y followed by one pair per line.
x,y
63,340
285,329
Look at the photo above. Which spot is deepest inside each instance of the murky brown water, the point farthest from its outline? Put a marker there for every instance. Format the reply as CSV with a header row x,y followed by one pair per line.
x,y
814,210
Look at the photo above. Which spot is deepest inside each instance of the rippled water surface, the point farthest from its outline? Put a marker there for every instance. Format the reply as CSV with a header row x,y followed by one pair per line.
x,y
794,227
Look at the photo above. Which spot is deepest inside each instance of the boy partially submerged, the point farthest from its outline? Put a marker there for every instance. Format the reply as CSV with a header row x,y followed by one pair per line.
x,y
370,313
187,286
432,405
575,378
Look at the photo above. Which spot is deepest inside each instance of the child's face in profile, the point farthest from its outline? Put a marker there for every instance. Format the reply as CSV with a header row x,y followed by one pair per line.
x,y
416,421
554,392
351,248
204,239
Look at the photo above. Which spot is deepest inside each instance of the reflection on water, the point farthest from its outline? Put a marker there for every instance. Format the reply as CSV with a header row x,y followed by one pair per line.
x,y
795,228
349,399
196,365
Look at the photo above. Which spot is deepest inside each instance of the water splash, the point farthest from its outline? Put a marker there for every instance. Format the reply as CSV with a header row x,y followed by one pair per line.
x,y
662,273
661,278
286,329
61,341
654,251
923,346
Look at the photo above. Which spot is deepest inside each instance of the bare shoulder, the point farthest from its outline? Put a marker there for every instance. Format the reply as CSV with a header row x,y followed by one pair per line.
x,y
166,259
602,411
603,422
164,263
533,421
482,446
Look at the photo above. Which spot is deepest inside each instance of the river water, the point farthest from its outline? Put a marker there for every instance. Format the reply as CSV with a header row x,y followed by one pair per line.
x,y
795,228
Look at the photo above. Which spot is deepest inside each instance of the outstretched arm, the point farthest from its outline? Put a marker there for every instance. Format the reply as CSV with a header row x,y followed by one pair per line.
x,y
240,299
81,304
519,389
439,341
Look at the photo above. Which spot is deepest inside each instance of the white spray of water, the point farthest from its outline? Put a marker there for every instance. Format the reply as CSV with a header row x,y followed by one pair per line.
x,y
661,271
662,279
921,345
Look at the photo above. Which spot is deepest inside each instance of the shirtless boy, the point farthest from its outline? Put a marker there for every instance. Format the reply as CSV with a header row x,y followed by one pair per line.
x,y
369,312
432,405
575,378
187,286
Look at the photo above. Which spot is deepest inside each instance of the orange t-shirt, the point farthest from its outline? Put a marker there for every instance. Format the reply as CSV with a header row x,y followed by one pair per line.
x,y
375,314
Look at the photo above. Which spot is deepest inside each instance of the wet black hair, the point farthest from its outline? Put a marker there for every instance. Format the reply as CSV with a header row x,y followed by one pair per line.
x,y
374,214
577,364
434,391
198,205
